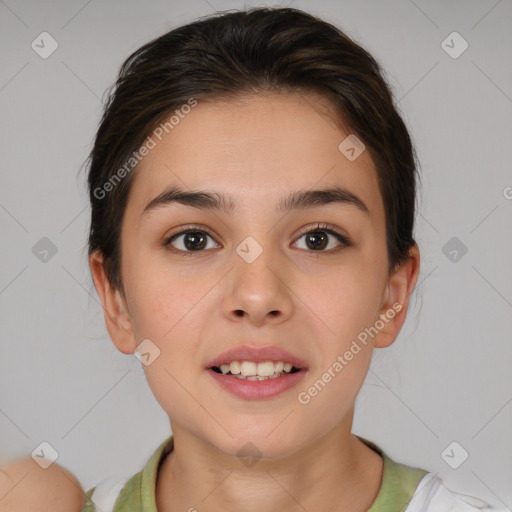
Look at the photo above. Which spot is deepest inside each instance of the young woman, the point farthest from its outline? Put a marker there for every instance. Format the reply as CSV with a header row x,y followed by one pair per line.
x,y
253,194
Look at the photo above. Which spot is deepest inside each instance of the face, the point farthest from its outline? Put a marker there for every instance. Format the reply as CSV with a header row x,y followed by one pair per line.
x,y
252,276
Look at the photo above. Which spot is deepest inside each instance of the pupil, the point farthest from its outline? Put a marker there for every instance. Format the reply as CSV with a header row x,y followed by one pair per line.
x,y
321,243
193,237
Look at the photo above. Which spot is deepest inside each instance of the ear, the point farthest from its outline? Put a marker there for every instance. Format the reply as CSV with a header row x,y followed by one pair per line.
x,y
396,298
117,318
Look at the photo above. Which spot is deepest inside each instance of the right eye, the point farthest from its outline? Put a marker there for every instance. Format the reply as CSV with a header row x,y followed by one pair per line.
x,y
190,240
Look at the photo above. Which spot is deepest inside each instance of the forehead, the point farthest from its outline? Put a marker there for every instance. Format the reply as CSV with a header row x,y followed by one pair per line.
x,y
256,149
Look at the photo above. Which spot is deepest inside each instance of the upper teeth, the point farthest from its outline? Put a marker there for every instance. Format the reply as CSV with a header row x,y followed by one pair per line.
x,y
250,368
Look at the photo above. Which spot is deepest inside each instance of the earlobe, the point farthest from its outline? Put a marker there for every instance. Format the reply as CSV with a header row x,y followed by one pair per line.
x,y
117,319
396,299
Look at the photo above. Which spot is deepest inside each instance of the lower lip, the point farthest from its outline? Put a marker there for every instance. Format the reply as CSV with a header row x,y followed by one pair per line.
x,y
257,389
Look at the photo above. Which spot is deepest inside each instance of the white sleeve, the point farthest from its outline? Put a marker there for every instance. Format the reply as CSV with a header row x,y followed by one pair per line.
x,y
432,495
106,493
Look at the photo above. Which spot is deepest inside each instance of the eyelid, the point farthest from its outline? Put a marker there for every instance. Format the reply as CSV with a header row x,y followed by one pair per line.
x,y
189,227
322,226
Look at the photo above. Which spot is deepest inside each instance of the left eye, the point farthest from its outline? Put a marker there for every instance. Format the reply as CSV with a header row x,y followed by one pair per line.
x,y
318,238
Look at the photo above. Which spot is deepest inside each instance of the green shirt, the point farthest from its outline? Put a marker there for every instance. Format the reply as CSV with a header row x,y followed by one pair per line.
x,y
138,495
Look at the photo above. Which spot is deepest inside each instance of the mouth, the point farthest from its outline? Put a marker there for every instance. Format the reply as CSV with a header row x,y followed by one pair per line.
x,y
257,381
257,372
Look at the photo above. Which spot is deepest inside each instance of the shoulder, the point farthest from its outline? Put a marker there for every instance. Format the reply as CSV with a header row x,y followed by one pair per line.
x,y
129,492
24,485
432,495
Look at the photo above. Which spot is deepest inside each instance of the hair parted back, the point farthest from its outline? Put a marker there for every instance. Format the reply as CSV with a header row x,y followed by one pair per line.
x,y
230,54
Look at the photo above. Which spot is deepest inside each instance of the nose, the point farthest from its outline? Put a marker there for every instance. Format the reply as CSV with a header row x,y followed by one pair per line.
x,y
259,290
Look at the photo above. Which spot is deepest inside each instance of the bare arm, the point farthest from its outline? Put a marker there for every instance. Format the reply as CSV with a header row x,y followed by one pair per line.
x,y
25,486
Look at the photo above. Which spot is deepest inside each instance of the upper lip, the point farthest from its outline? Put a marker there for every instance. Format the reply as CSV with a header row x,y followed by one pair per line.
x,y
258,355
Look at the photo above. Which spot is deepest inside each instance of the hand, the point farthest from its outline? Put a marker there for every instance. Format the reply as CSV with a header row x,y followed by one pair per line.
x,y
25,486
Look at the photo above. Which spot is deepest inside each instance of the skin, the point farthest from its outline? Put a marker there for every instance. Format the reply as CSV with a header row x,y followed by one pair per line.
x,y
257,149
24,485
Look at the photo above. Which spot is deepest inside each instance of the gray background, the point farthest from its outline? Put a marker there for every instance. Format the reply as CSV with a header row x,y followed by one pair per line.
x,y
447,377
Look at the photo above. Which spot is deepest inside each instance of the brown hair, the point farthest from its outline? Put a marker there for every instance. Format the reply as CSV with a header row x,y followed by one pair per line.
x,y
230,54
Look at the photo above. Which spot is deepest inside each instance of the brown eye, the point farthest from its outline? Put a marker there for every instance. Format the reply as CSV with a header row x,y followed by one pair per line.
x,y
188,240
317,239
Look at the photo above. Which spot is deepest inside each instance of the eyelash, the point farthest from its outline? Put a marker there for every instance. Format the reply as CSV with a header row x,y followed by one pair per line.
x,y
327,228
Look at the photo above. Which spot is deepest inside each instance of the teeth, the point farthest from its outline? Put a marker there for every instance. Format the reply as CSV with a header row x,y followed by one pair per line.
x,y
257,377
265,369
250,370
234,367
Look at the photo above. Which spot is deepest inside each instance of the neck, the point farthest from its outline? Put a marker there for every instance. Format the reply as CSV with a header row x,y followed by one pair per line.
x,y
336,472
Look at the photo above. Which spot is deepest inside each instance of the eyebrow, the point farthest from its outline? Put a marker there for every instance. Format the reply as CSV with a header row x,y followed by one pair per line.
x,y
212,200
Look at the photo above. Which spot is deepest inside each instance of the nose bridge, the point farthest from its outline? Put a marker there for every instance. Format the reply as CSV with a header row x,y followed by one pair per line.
x,y
254,262
257,279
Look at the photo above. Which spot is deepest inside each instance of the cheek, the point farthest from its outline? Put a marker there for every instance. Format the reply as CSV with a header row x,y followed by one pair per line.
x,y
166,309
346,302
161,299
